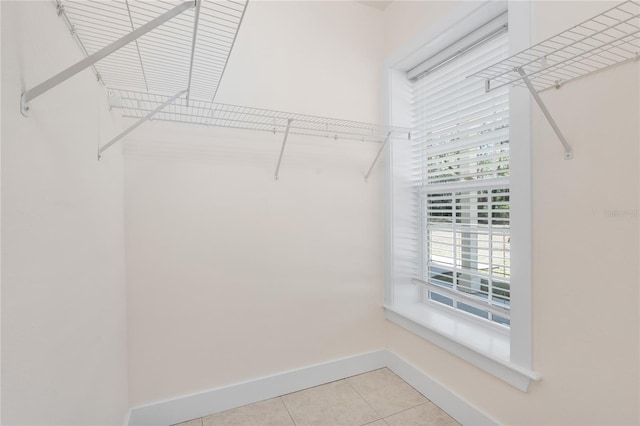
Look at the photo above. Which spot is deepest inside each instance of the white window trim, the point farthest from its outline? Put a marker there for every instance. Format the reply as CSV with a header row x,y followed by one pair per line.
x,y
444,327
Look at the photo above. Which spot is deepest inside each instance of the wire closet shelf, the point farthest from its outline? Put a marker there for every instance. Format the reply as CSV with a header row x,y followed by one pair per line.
x,y
189,51
139,104
173,71
603,41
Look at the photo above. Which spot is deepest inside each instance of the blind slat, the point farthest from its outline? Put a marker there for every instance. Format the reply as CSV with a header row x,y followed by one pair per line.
x,y
460,165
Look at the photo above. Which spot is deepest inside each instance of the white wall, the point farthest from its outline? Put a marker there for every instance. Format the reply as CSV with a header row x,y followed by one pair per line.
x,y
585,343
63,274
405,20
232,275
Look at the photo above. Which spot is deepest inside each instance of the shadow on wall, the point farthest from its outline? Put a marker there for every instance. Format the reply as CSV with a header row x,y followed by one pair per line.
x,y
172,142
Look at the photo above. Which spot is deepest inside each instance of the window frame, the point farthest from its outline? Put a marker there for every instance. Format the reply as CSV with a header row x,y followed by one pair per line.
x,y
506,354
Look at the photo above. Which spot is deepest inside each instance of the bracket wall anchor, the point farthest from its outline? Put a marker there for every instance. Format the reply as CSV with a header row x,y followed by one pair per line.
x,y
24,108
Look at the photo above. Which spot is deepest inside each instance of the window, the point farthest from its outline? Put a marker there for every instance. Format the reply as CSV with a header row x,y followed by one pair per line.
x,y
458,207
461,169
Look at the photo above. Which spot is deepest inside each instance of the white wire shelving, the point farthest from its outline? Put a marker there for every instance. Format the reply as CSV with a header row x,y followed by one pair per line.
x,y
189,51
165,60
142,105
138,104
161,46
604,41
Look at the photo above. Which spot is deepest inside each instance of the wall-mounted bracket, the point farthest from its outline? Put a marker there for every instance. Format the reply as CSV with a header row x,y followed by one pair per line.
x,y
568,151
24,108
375,160
284,141
139,122
597,44
41,88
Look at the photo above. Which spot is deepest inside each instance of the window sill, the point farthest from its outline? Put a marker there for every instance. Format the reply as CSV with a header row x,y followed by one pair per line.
x,y
483,346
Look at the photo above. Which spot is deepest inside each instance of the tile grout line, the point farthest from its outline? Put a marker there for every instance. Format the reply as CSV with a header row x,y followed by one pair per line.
x,y
287,408
364,399
428,400
425,397
411,386
375,421
410,408
398,412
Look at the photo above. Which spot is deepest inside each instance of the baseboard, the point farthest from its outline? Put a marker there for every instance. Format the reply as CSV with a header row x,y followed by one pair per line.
x,y
201,404
204,403
127,417
453,404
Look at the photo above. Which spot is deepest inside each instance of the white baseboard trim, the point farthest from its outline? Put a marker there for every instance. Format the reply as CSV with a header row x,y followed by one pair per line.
x,y
127,417
201,404
211,401
453,404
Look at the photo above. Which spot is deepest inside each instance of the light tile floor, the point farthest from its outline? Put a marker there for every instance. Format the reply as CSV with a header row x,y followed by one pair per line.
x,y
377,398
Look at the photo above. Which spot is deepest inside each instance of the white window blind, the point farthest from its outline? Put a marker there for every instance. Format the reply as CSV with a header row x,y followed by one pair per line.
x,y
461,171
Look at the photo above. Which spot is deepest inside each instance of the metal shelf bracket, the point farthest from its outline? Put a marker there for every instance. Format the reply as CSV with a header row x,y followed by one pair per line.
x,y
608,39
43,87
375,160
139,122
193,47
284,141
568,151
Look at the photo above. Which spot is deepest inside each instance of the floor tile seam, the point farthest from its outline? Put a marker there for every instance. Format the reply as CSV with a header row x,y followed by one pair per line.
x,y
427,400
407,409
383,420
287,408
412,387
313,387
365,400
407,383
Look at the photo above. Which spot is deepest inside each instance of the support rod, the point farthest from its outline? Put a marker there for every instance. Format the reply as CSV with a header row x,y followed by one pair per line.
x,y
284,141
193,46
139,122
104,52
375,160
568,152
